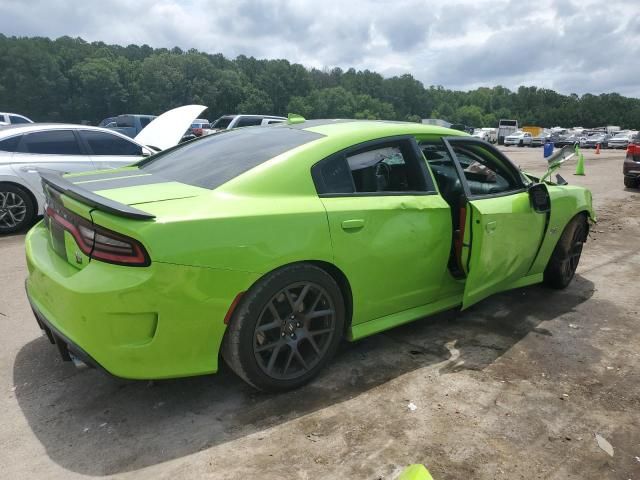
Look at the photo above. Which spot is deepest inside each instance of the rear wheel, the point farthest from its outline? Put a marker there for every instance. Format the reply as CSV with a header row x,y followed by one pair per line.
x,y
286,329
631,182
566,256
17,208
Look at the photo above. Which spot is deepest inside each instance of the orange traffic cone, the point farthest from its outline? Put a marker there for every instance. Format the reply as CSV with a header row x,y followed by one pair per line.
x,y
597,149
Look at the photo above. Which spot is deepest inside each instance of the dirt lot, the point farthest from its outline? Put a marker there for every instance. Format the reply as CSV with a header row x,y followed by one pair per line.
x,y
516,387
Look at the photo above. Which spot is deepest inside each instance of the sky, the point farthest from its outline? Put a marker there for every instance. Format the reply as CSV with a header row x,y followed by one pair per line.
x,y
570,46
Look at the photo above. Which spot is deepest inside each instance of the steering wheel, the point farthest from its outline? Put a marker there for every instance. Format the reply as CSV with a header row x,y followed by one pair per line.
x,y
383,170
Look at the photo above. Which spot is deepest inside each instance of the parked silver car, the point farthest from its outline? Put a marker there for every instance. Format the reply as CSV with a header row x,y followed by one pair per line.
x,y
598,138
621,140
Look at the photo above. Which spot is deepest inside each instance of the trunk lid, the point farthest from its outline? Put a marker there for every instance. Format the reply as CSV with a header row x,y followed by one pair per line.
x,y
72,203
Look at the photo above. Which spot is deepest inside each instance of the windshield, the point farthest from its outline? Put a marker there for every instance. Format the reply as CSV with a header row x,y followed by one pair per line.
x,y
222,122
215,159
621,135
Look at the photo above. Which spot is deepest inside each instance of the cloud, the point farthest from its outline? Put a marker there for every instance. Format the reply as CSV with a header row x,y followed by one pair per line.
x,y
570,45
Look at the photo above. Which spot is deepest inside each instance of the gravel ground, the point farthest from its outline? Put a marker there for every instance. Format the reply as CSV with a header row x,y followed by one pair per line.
x,y
517,387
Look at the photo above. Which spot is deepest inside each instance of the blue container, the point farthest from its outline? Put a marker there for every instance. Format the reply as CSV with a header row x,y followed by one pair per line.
x,y
548,149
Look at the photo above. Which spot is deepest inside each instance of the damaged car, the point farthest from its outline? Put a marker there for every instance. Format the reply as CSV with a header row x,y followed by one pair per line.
x,y
268,247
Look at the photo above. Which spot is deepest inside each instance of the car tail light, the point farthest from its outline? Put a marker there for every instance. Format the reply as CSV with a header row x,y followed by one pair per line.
x,y
197,132
98,242
633,149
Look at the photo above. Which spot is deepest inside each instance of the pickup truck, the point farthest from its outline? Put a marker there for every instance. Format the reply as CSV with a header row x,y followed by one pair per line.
x,y
130,124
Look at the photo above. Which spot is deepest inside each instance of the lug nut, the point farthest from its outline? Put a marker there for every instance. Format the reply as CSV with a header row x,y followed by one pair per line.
x,y
283,334
298,324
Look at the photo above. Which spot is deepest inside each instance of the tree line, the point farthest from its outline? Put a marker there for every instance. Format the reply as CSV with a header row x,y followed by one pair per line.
x,y
71,80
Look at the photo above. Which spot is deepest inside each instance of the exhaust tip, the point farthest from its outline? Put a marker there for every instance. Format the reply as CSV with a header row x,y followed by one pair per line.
x,y
79,364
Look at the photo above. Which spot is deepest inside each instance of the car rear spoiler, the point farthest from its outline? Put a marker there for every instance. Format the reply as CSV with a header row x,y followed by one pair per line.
x,y
56,181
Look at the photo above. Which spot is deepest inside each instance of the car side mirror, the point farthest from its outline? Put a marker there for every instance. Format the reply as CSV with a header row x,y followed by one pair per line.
x,y
146,152
540,199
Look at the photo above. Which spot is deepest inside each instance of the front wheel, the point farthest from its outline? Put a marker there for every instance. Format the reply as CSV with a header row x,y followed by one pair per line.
x,y
286,328
566,256
17,208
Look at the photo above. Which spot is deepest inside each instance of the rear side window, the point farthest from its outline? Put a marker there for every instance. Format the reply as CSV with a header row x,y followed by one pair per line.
x,y
10,144
215,159
55,142
101,143
249,121
16,119
382,168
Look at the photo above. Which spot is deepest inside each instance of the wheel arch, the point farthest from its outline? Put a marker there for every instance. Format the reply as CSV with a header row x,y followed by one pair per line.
x,y
343,283
26,189
333,271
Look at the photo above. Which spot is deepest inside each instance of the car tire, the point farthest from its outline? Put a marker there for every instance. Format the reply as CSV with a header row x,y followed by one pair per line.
x,y
17,208
631,182
293,315
521,143
566,255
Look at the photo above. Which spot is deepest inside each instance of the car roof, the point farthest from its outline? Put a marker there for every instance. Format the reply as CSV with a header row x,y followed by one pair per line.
x,y
20,128
369,128
234,115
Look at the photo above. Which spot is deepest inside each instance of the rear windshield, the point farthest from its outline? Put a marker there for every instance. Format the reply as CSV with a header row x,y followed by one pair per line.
x,y
124,121
215,159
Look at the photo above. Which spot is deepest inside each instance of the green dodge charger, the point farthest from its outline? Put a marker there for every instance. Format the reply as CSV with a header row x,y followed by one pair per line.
x,y
268,246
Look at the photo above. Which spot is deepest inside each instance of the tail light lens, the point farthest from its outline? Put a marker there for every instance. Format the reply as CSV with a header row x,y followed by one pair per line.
x,y
197,132
98,242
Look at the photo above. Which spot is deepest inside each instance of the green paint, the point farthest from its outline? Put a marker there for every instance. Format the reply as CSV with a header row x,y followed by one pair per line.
x,y
206,246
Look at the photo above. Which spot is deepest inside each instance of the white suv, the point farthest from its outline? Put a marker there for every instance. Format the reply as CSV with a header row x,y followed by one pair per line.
x,y
520,139
235,121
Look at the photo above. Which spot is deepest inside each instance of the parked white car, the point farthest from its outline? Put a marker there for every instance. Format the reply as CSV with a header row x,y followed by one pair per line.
x,y
26,149
227,122
486,134
481,133
520,139
13,118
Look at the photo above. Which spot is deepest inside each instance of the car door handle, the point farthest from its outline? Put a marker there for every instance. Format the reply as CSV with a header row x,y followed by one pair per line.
x,y
352,224
490,227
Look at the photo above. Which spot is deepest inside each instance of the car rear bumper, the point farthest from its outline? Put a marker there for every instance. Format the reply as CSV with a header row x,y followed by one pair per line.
x,y
154,322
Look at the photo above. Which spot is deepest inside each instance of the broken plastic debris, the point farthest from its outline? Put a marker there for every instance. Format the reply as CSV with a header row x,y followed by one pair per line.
x,y
412,406
604,445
